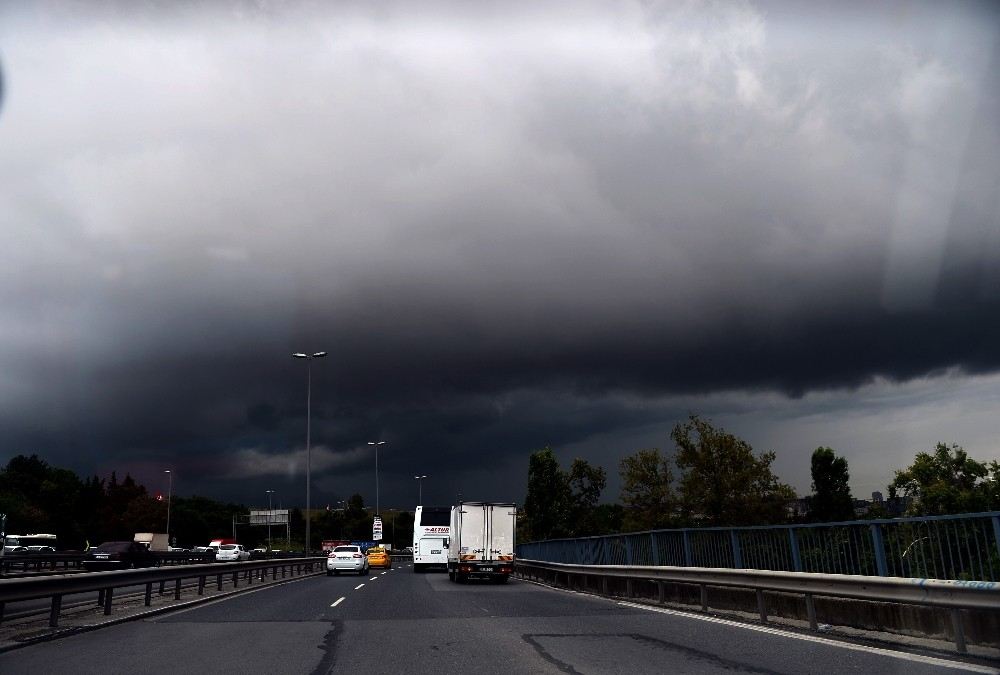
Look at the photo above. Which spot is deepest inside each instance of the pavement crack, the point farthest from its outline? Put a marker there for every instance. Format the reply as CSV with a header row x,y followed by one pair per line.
x,y
329,647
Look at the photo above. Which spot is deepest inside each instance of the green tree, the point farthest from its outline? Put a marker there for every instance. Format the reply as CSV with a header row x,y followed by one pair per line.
x,y
585,484
722,481
831,499
947,480
647,490
546,504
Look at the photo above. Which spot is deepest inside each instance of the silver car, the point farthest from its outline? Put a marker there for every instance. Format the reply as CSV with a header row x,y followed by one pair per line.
x,y
346,559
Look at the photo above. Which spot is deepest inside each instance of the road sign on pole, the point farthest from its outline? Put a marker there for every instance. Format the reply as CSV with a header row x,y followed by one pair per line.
x,y
377,529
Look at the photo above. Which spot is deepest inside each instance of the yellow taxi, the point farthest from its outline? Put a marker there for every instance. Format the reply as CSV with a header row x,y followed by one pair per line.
x,y
379,557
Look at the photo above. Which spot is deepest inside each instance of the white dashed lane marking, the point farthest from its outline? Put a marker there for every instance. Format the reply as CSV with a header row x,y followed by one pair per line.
x,y
338,602
373,579
358,586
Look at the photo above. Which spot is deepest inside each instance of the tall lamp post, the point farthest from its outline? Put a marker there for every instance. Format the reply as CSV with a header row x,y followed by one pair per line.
x,y
270,516
376,444
170,490
420,483
308,358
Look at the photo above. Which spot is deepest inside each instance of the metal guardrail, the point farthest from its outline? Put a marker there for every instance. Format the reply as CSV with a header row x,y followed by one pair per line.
x,y
25,562
953,595
104,583
965,546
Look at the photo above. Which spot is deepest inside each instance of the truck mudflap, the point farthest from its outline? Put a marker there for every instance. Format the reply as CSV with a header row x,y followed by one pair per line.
x,y
484,569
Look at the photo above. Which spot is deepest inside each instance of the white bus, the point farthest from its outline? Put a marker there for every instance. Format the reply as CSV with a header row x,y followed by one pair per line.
x,y
431,528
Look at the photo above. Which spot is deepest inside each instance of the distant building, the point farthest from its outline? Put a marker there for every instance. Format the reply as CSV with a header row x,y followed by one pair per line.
x,y
877,498
797,508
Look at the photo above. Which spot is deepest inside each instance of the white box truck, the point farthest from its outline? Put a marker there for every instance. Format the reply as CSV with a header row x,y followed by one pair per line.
x,y
481,545
154,541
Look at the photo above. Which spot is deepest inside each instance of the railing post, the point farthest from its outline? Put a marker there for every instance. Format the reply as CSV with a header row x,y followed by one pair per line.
x,y
108,594
655,549
218,582
628,549
201,585
996,532
704,597
687,550
878,543
148,600
737,554
177,589
793,541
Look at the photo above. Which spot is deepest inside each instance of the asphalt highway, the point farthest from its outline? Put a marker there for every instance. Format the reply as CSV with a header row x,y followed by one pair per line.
x,y
398,621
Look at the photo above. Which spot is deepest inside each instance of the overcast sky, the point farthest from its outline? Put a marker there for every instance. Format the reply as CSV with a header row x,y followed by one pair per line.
x,y
540,223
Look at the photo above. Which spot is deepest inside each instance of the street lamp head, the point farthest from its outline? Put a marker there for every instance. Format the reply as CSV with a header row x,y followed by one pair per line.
x,y
300,355
166,471
376,443
419,477
319,355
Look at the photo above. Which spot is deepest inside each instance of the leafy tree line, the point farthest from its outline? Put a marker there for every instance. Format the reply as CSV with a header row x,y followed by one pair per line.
x,y
715,478
38,497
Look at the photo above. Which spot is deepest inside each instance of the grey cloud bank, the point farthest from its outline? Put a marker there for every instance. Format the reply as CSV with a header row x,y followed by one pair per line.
x,y
508,228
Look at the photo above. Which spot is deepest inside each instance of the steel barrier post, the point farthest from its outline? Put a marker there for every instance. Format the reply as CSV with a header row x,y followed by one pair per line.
x,y
108,594
761,607
793,541
177,589
811,611
162,586
236,581
628,550
218,582
54,611
687,550
1,612
878,543
959,629
201,585
148,600
737,555
660,593
656,551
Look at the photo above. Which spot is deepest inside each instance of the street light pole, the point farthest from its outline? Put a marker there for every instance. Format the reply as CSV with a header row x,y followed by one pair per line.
x,y
170,490
420,483
376,444
270,516
308,358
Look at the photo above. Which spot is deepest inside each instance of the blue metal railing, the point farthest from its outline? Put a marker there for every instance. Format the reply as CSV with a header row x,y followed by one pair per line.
x,y
964,546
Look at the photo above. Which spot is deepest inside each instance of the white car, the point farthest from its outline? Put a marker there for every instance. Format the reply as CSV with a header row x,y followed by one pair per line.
x,y
232,553
346,559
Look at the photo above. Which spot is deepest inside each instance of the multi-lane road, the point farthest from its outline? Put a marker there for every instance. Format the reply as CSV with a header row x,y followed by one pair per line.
x,y
400,622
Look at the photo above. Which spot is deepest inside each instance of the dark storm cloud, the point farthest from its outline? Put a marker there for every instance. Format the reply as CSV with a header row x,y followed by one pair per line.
x,y
508,228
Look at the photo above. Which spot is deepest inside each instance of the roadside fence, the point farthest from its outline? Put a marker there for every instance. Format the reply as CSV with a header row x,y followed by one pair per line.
x,y
964,546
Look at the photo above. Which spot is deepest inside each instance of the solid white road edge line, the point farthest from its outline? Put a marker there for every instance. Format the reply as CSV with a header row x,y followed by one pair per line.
x,y
821,640
358,586
338,602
